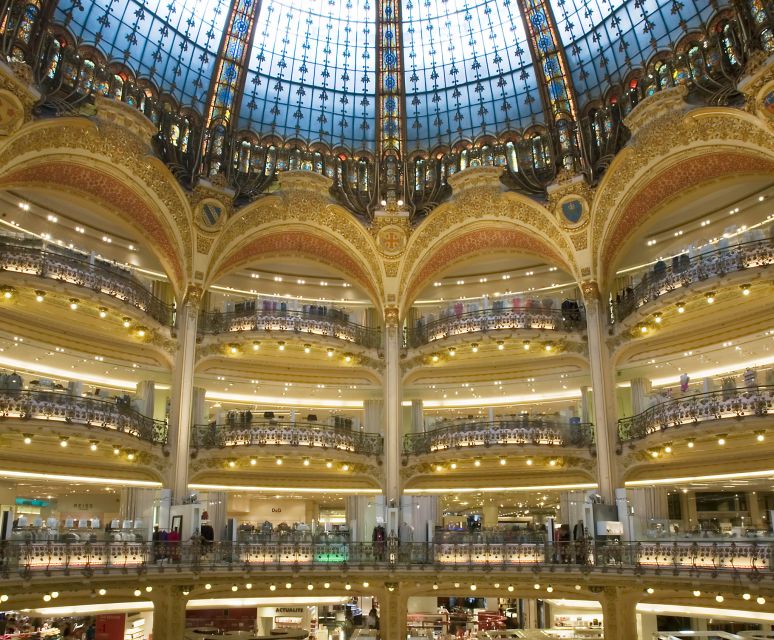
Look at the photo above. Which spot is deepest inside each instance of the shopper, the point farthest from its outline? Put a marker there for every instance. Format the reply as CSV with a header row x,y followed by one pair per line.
x,y
373,619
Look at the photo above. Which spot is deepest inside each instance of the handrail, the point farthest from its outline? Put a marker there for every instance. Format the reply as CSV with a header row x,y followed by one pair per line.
x,y
499,432
718,262
492,320
700,407
98,276
712,558
293,434
65,409
333,323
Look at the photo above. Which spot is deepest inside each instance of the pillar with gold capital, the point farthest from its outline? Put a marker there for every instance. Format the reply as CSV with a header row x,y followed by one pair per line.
x,y
392,406
169,604
182,392
603,385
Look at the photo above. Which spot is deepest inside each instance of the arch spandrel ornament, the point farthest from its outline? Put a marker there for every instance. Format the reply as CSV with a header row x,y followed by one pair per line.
x,y
110,166
702,145
482,217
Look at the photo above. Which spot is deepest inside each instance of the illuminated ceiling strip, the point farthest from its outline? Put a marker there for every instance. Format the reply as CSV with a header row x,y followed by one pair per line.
x,y
283,401
502,400
222,603
711,612
548,487
718,371
287,296
682,610
718,476
201,603
32,475
281,490
117,383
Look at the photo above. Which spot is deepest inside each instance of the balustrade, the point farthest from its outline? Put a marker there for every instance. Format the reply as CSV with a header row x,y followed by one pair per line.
x,y
333,323
492,320
686,270
286,434
700,407
695,558
498,433
100,276
63,408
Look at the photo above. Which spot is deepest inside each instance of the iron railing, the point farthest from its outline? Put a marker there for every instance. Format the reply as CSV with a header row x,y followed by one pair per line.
x,y
99,276
516,432
63,409
286,434
492,320
685,271
333,324
701,407
695,558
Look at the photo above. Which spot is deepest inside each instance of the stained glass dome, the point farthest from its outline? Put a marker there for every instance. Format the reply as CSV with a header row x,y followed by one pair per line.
x,y
309,70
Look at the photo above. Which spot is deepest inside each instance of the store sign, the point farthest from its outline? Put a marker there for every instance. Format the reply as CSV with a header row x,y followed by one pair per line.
x,y
110,626
289,610
32,502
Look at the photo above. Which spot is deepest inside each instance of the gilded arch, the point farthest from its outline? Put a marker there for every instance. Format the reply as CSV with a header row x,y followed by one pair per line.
x,y
115,171
703,145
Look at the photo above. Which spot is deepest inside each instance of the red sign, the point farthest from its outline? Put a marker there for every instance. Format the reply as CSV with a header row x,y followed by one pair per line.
x,y
110,626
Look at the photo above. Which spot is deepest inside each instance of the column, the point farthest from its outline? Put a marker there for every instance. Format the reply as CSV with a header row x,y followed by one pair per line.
x,y
372,414
688,511
200,416
585,412
572,506
168,612
417,416
393,609
490,414
145,397
603,384
137,504
755,510
182,394
419,513
640,390
491,512
619,614
392,408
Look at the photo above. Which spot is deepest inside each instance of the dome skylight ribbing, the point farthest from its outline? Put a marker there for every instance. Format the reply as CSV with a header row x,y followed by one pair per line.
x,y
469,67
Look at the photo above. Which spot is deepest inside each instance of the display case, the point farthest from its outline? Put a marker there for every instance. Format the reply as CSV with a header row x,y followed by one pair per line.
x,y
427,625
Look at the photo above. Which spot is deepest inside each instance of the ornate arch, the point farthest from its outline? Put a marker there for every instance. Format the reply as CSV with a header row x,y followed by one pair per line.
x,y
480,217
703,145
299,220
111,167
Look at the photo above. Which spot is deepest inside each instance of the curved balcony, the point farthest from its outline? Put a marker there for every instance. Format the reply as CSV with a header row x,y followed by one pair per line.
x,y
702,407
472,322
99,276
62,408
745,557
286,434
685,271
333,324
498,434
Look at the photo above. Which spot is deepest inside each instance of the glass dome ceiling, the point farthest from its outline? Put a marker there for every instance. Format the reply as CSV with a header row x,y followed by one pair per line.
x,y
309,69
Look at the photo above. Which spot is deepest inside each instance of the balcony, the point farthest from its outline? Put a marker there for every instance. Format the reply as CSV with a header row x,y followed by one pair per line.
x,y
332,324
99,276
685,271
286,434
64,409
755,558
537,318
541,433
732,403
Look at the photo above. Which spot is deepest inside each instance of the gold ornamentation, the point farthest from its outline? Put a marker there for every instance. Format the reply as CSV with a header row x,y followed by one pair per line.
x,y
204,243
590,290
391,316
391,240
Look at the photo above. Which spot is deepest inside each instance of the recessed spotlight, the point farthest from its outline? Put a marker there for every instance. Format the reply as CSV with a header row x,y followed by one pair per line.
x,y
500,345
73,303
40,296
278,459
710,297
680,307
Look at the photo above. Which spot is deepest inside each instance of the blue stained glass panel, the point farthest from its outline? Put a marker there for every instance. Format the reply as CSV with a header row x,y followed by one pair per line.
x,y
312,72
603,39
172,42
468,70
